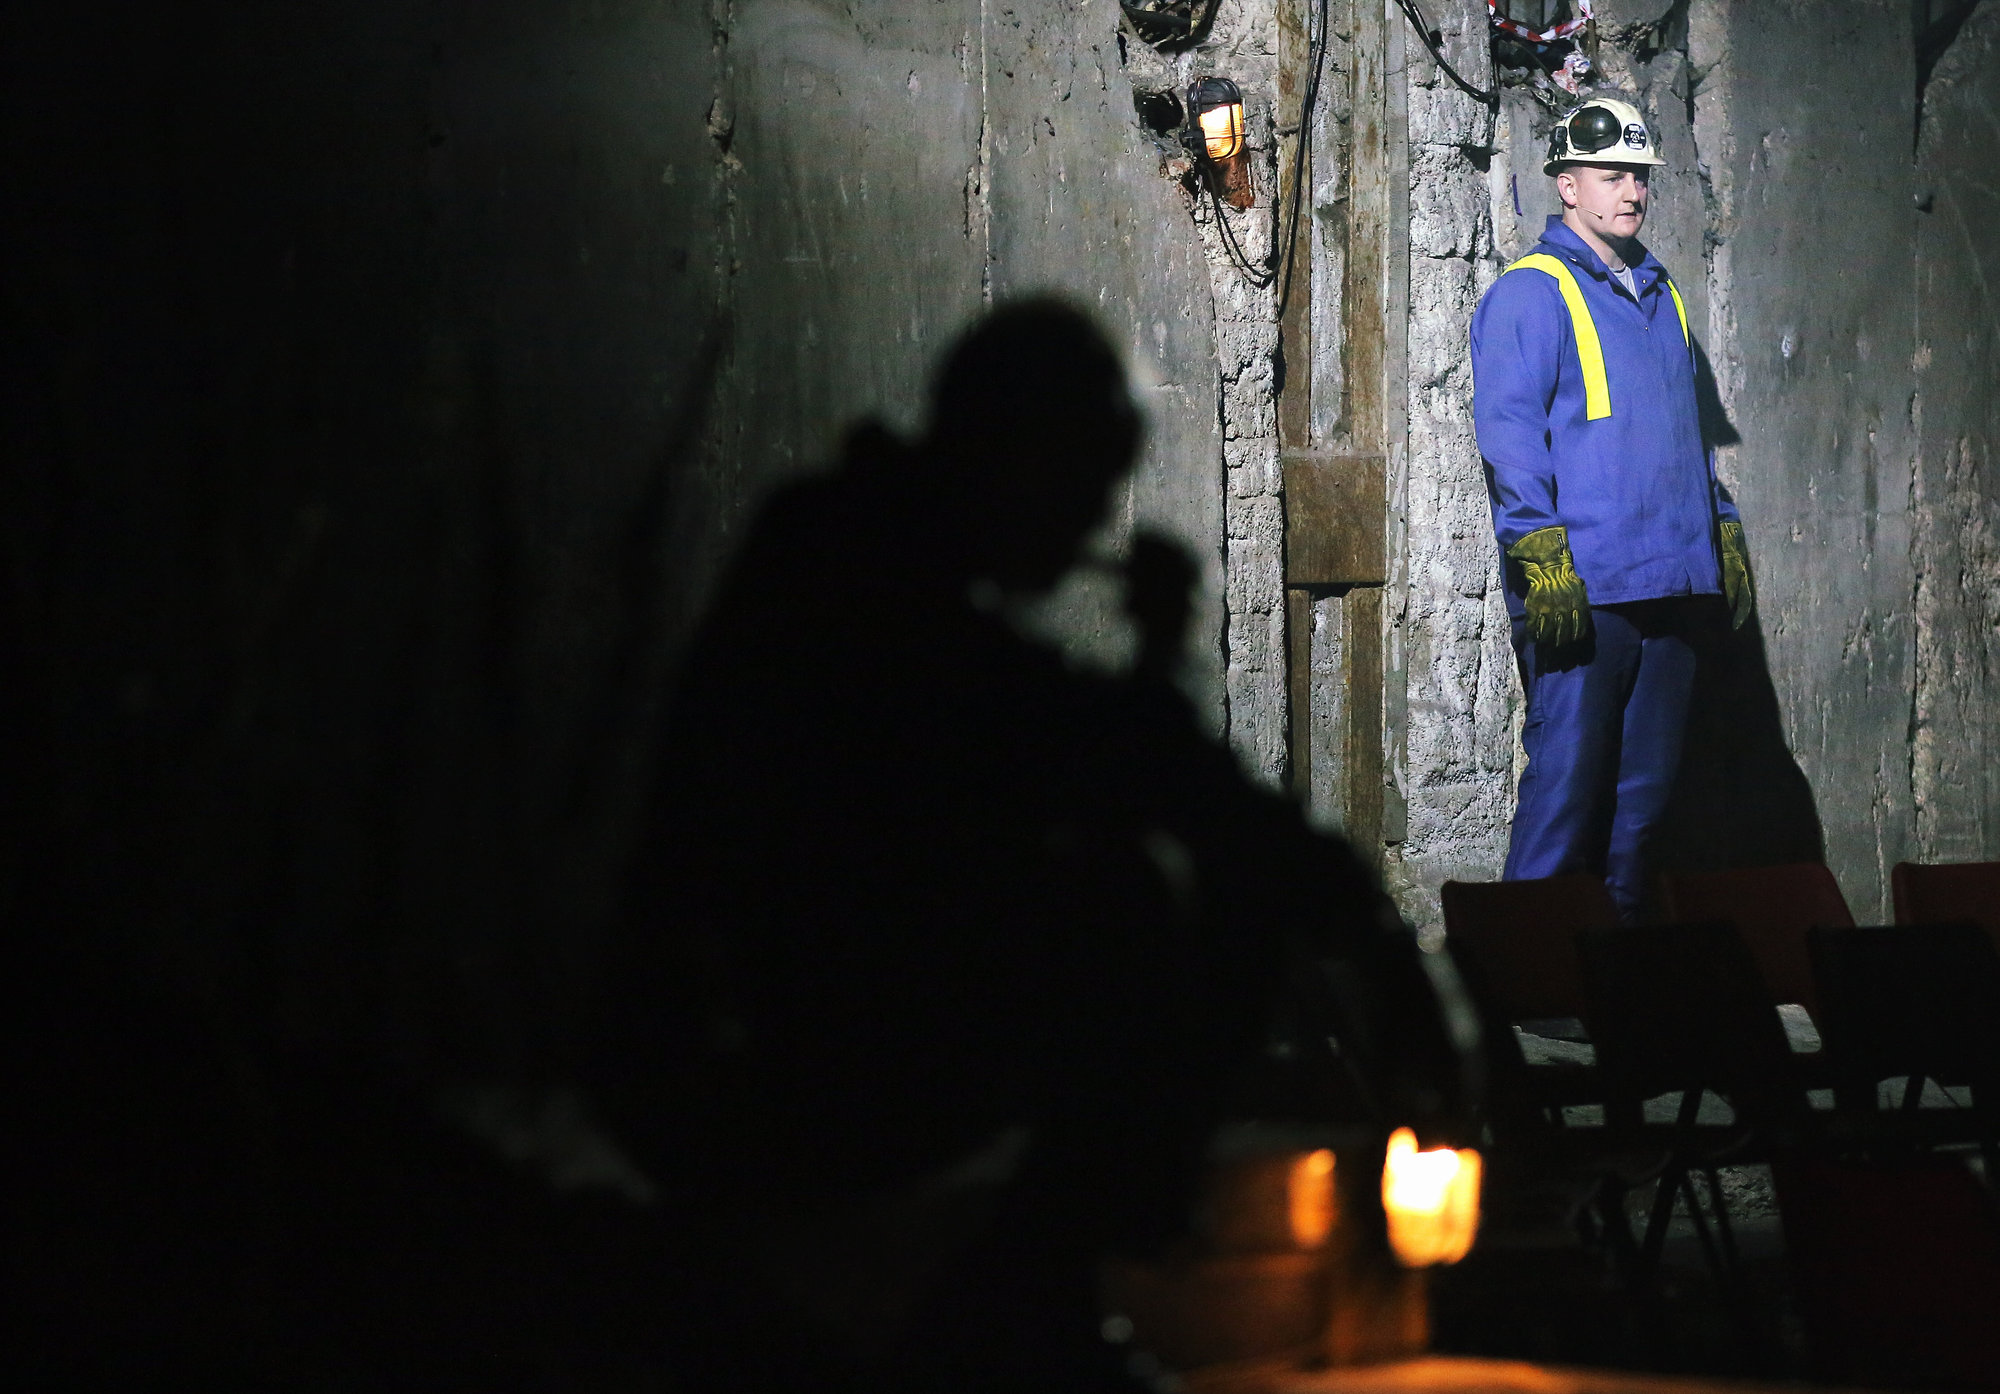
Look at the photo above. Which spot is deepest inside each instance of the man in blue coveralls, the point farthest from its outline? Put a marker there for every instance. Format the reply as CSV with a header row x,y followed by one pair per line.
x,y
1615,534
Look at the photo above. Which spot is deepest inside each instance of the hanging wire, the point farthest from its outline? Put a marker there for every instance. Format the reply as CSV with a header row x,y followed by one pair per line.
x,y
1315,62
1259,277
1263,277
1164,22
1434,41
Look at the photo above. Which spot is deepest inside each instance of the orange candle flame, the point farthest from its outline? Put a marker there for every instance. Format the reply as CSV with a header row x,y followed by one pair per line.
x,y
1310,1193
1432,1199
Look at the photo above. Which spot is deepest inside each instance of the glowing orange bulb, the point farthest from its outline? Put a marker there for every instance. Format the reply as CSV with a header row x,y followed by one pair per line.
x,y
1222,129
1432,1199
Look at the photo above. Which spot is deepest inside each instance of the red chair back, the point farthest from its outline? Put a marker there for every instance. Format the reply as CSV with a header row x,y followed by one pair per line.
x,y
1956,893
1519,937
1772,907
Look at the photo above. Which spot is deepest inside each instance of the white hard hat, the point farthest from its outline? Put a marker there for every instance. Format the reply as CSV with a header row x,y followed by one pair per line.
x,y
1603,131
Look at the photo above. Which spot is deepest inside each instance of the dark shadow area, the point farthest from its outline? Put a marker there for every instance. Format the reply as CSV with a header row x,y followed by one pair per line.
x,y
945,961
940,964
1716,427
327,691
1741,799
1934,25
1170,25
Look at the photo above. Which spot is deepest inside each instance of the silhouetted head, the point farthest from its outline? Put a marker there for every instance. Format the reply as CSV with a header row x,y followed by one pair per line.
x,y
1031,424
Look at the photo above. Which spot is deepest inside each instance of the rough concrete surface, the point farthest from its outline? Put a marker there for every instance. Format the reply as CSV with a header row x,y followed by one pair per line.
x,y
452,349
899,167
1243,46
1955,496
1851,344
1457,779
1077,204
1822,287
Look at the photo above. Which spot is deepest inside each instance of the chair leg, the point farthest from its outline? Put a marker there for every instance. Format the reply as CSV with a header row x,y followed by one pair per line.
x,y
1655,1240
1701,1231
1725,1230
1729,1278
1988,1126
1672,1181
1616,1227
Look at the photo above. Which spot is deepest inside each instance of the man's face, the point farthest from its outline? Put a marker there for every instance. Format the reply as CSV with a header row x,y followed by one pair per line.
x,y
1610,200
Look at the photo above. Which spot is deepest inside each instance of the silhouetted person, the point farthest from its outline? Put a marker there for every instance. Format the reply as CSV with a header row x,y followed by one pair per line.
x,y
1160,579
954,949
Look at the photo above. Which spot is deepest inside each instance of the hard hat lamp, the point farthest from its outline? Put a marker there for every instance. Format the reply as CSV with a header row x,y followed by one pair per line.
x,y
1432,1200
1594,128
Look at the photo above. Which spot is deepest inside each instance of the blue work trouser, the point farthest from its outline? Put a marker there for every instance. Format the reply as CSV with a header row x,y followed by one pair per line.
x,y
1603,735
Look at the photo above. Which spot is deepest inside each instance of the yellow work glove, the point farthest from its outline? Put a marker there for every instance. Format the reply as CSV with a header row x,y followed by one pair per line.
x,y
1558,606
1736,587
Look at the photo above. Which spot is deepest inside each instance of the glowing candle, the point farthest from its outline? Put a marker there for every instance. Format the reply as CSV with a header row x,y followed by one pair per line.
x,y
1432,1199
1309,1191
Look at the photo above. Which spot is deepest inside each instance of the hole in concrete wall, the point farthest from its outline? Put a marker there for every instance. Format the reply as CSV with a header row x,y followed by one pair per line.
x,y
1669,31
1159,112
1170,25
1519,61
1936,24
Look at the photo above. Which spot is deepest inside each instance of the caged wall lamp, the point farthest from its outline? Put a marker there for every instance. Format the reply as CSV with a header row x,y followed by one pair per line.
x,y
1217,107
1215,133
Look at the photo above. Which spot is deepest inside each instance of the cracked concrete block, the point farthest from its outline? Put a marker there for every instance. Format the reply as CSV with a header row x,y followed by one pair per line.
x,y
1450,121
1448,198
1257,723
1260,519
1252,465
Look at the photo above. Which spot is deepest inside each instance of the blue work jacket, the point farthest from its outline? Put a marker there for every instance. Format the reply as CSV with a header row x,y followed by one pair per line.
x,y
1612,451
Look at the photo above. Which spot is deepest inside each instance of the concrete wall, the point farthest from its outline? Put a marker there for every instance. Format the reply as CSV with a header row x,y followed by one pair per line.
x,y
384,387
387,385
1821,280
1955,495
1837,281
1242,44
1456,775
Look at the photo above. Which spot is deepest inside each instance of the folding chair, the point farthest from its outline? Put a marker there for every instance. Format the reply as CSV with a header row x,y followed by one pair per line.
x,y
1515,943
1684,1009
1920,1002
1896,1270
1523,934
1772,907
1950,893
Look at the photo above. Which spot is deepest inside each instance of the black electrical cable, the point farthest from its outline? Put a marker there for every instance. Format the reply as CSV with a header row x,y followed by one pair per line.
x,y
1315,61
1260,277
1263,277
1170,21
1434,41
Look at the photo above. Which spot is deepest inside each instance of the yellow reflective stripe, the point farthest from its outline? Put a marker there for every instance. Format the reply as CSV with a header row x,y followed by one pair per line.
x,y
1681,309
1596,389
